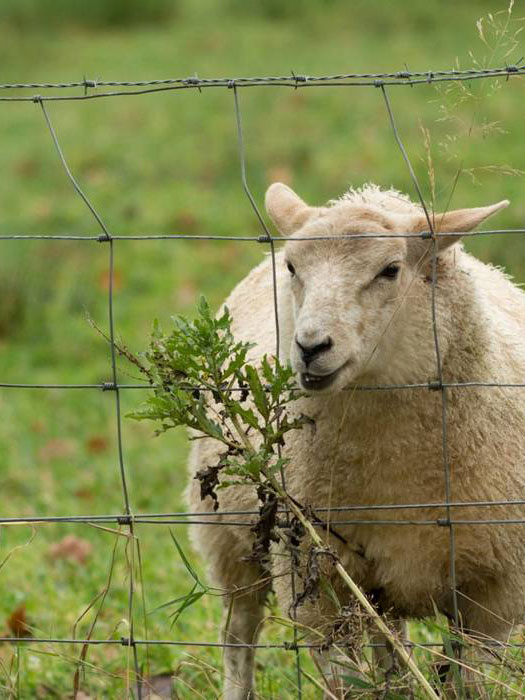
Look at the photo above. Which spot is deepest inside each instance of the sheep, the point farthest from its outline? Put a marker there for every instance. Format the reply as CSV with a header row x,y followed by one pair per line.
x,y
356,312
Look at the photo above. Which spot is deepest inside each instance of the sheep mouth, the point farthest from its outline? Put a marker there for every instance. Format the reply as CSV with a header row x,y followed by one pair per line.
x,y
318,382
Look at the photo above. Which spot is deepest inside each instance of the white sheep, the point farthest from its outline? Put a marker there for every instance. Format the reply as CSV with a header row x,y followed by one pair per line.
x,y
358,312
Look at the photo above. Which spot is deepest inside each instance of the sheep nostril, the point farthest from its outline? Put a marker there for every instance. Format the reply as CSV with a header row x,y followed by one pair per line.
x,y
309,352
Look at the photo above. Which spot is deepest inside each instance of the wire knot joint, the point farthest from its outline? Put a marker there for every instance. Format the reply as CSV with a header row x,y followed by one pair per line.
x,y
443,522
298,79
127,641
435,385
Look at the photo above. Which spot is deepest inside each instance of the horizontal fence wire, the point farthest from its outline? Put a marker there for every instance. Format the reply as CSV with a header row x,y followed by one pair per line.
x,y
166,520
446,510
432,386
285,646
317,509
257,239
294,81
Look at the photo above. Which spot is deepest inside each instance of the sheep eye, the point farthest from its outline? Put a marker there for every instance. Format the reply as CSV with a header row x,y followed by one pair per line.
x,y
390,272
291,268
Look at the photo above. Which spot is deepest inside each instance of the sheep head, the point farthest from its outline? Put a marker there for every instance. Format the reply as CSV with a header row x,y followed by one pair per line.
x,y
361,305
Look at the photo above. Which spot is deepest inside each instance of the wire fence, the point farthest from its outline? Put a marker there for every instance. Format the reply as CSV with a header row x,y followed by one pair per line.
x,y
96,89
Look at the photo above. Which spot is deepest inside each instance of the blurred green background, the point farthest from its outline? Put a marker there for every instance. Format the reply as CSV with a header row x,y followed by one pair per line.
x,y
168,163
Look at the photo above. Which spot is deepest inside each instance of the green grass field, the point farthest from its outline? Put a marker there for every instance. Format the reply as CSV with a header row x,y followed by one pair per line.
x,y
168,163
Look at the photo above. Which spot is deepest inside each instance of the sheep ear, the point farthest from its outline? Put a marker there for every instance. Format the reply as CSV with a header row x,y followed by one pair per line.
x,y
460,220
286,209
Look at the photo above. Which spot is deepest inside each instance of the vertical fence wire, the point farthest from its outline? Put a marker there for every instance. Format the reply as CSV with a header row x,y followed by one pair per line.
x,y
439,365
267,237
128,520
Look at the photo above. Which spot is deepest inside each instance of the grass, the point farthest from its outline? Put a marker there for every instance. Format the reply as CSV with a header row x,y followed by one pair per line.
x,y
24,14
169,163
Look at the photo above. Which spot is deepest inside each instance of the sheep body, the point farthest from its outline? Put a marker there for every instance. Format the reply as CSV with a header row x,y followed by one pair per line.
x,y
386,447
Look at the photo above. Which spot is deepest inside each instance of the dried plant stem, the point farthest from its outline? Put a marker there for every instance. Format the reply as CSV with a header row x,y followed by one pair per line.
x,y
360,596
327,692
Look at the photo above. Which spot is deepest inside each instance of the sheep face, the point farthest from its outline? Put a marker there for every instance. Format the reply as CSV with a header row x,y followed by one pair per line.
x,y
348,297
361,306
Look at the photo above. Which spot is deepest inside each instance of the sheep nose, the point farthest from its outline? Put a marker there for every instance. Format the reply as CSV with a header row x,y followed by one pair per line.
x,y
309,352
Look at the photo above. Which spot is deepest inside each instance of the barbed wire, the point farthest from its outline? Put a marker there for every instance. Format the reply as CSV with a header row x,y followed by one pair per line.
x,y
128,520
293,80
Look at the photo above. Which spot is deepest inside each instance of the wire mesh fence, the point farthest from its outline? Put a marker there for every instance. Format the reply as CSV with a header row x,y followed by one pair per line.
x,y
446,510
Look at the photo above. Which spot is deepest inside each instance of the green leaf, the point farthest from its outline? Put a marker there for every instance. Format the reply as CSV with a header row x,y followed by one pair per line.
x,y
356,682
169,603
236,364
278,465
207,425
258,393
185,561
454,667
204,308
191,598
247,415
267,371
156,331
